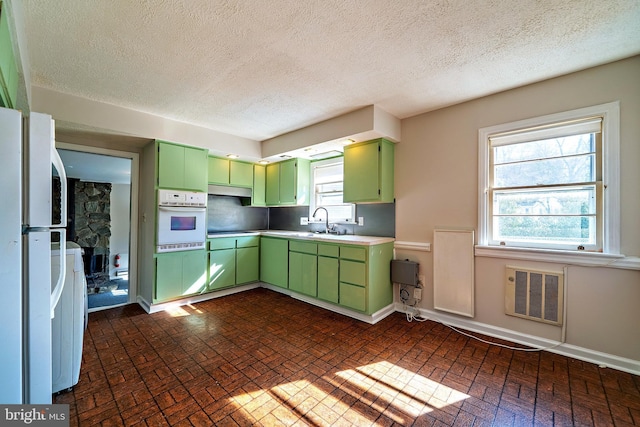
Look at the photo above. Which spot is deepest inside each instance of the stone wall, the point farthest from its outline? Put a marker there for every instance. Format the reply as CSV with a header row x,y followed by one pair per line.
x,y
92,216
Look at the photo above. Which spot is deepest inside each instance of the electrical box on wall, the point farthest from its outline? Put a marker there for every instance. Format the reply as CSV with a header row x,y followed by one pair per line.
x,y
404,272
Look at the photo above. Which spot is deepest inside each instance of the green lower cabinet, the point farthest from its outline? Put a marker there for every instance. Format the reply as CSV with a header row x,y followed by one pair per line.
x,y
353,281
180,274
303,270
222,268
247,265
353,296
233,261
364,278
274,261
328,280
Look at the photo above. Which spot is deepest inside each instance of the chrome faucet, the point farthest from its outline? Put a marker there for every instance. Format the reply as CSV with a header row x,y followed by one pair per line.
x,y
326,220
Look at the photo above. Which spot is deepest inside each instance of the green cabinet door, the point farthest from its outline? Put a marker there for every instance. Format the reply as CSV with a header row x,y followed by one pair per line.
x,y
247,265
272,189
353,296
368,172
181,167
195,169
259,184
240,174
222,268
194,272
288,182
328,280
179,274
303,271
168,276
218,170
353,278
170,166
274,261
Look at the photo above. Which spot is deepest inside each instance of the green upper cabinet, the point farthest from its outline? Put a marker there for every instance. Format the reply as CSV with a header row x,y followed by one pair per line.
x,y
240,174
368,172
8,69
272,186
230,172
218,170
259,185
287,183
181,167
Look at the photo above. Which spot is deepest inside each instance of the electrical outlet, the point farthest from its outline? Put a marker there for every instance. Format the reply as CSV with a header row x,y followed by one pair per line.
x,y
417,293
360,220
304,220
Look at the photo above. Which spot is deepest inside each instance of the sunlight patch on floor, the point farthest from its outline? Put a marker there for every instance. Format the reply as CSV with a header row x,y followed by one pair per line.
x,y
382,386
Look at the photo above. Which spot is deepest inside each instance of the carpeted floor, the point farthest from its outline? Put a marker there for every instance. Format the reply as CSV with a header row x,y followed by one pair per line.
x,y
119,295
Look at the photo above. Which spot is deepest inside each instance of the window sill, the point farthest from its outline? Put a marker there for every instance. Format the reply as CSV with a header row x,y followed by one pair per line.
x,y
588,259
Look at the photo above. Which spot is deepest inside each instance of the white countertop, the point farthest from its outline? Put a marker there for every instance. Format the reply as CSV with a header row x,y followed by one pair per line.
x,y
303,235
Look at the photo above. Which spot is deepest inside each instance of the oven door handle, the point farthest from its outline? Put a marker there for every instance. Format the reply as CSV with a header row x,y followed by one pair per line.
x,y
183,209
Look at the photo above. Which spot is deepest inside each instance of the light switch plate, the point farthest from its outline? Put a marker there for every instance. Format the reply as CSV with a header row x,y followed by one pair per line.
x,y
361,220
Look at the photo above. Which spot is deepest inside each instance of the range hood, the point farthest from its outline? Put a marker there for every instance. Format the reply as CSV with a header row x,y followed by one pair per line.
x,y
224,190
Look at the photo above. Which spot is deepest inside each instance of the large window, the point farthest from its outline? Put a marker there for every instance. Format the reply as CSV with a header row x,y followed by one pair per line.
x,y
551,182
326,183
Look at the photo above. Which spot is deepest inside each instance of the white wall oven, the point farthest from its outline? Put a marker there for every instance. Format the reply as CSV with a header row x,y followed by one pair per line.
x,y
181,220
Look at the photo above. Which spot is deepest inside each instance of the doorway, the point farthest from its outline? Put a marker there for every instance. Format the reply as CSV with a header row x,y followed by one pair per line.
x,y
102,212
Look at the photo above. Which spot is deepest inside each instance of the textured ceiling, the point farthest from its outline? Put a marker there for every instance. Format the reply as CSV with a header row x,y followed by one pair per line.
x,y
260,68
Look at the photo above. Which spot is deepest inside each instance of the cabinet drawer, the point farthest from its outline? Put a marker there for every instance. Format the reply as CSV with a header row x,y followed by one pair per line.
x,y
222,243
304,247
328,250
353,296
353,272
354,253
248,242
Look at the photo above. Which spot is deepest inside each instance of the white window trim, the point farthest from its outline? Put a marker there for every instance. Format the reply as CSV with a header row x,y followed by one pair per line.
x,y
312,201
610,113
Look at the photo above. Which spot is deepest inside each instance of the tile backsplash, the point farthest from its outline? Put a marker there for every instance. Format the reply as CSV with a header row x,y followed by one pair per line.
x,y
227,213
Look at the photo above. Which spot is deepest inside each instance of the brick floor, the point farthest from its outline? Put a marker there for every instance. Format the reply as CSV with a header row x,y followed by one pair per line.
x,y
263,358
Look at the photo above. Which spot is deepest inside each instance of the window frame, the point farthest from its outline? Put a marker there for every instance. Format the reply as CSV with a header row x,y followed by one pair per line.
x,y
610,114
312,183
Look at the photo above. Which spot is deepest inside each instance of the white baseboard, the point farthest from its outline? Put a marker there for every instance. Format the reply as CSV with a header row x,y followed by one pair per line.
x,y
602,359
154,308
371,319
569,350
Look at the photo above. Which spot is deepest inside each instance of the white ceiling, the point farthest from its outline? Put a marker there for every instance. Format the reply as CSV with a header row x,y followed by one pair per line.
x,y
258,68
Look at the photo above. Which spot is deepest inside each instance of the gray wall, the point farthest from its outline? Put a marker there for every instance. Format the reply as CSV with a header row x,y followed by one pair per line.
x,y
379,220
226,213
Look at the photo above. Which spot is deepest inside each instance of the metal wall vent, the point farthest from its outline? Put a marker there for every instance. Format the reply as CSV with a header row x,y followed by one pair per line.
x,y
534,294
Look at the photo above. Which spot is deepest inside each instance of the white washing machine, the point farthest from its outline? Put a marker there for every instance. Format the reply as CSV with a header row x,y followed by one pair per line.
x,y
70,318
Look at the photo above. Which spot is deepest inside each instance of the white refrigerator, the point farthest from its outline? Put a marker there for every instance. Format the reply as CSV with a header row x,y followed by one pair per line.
x,y
28,159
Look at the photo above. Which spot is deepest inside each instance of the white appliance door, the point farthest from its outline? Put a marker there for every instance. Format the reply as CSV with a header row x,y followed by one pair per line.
x,y
11,314
38,158
38,317
40,161
181,225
